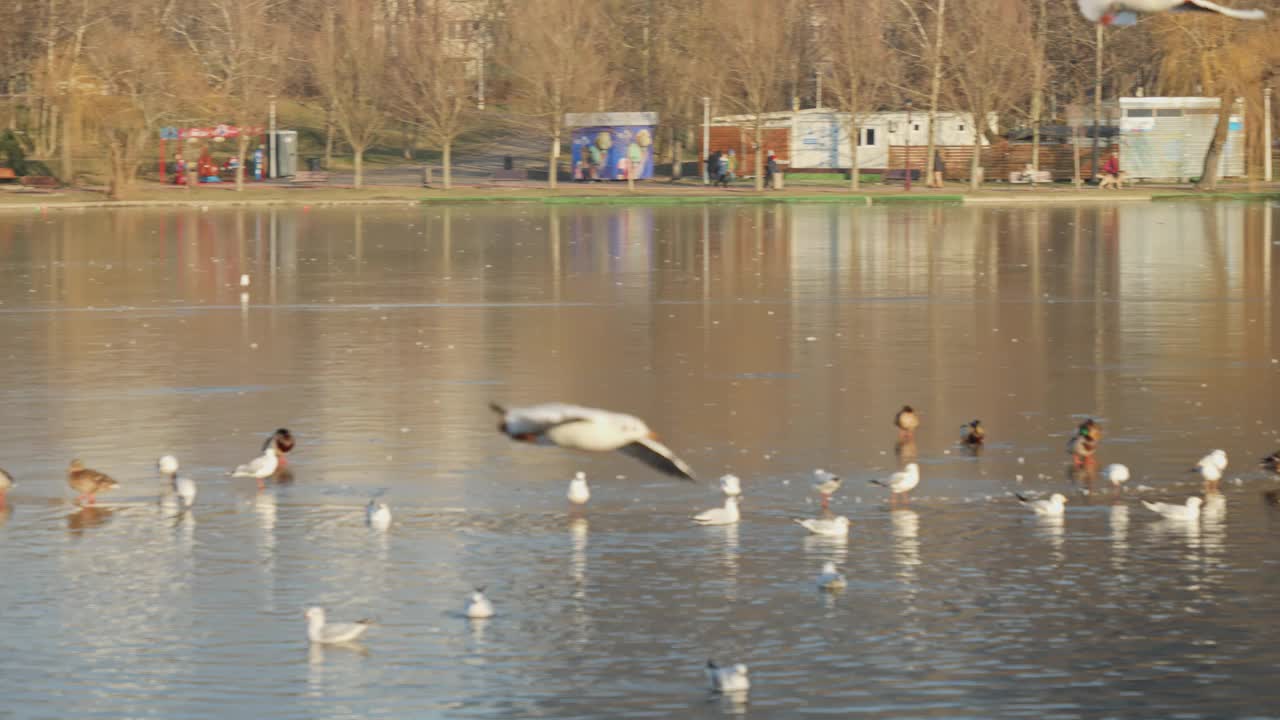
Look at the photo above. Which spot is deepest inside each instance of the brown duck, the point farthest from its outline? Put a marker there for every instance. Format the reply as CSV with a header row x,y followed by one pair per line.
x,y
1084,443
973,434
906,421
88,482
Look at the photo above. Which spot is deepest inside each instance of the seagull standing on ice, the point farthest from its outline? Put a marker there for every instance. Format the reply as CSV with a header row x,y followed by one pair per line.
x,y
478,606
830,578
825,484
1055,506
261,467
579,493
830,527
1125,12
592,430
1190,512
1116,474
183,487
726,515
378,515
730,485
321,632
902,482
727,679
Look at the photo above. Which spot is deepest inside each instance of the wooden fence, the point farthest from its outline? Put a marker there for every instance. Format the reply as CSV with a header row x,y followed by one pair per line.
x,y
999,160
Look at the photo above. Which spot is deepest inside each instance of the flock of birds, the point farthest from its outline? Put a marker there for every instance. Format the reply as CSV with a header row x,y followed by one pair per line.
x,y
594,430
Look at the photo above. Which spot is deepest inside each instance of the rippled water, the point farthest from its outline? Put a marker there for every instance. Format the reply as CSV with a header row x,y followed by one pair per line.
x,y
765,340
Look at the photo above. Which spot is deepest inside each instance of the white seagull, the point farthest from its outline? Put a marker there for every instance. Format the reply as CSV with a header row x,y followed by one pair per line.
x,y
261,467
318,631
1125,12
1217,458
1189,512
478,606
830,578
183,487
835,526
730,485
377,514
1055,506
727,679
1209,471
726,515
825,484
901,482
1116,474
592,430
579,493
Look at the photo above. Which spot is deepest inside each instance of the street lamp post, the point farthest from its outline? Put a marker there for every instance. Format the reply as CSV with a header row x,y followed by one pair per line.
x,y
907,182
706,138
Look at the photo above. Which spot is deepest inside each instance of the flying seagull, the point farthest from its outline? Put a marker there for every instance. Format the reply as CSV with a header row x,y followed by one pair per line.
x,y
1125,12
592,430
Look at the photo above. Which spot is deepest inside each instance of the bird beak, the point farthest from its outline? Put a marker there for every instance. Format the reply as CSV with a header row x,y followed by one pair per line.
x,y
1107,19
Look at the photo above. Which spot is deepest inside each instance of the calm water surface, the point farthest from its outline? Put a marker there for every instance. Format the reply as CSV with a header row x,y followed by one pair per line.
x,y
763,340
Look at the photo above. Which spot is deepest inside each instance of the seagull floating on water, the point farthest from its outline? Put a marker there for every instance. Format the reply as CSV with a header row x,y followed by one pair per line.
x,y
592,430
88,482
321,632
901,482
730,485
377,514
825,484
579,493
727,679
906,420
726,515
1125,12
261,467
1116,474
478,606
1055,506
830,527
1189,512
830,578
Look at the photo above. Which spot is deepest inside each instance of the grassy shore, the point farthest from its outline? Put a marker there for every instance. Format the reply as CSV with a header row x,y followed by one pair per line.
x,y
651,193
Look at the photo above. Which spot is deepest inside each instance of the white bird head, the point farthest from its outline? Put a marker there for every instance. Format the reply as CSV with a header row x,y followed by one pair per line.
x,y
1116,473
730,485
580,477
1058,499
477,595
315,616
740,669
828,568
1219,458
1194,502
167,465
912,469
823,476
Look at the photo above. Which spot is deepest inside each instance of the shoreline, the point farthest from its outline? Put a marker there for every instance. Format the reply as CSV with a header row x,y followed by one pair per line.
x,y
306,197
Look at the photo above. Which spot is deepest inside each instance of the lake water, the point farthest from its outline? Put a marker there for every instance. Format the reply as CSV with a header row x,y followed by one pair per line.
x,y
762,340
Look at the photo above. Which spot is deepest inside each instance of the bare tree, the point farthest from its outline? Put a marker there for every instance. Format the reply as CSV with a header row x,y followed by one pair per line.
x,y
350,62
431,78
553,57
756,36
860,63
988,51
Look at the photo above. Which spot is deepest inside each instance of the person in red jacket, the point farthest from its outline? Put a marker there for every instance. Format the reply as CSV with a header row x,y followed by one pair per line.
x,y
1111,176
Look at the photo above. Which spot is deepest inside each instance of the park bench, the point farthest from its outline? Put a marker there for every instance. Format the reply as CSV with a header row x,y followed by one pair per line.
x,y
310,177
1030,176
7,175
40,181
900,174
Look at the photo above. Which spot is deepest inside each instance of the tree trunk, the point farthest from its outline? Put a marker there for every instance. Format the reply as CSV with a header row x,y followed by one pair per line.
x,y
975,163
446,158
1212,158
242,148
855,136
64,150
1097,96
553,158
759,140
1037,84
357,152
677,155
935,86
328,136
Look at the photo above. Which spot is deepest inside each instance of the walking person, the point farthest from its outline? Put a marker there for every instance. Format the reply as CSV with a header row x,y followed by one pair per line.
x,y
1111,176
722,173
939,169
770,170
713,167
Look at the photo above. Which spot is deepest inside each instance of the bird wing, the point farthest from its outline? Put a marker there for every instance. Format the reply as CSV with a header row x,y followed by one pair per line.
x,y
342,632
538,419
1207,6
659,457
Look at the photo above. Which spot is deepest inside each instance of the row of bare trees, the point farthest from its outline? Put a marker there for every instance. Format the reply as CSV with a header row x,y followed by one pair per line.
x,y
86,77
